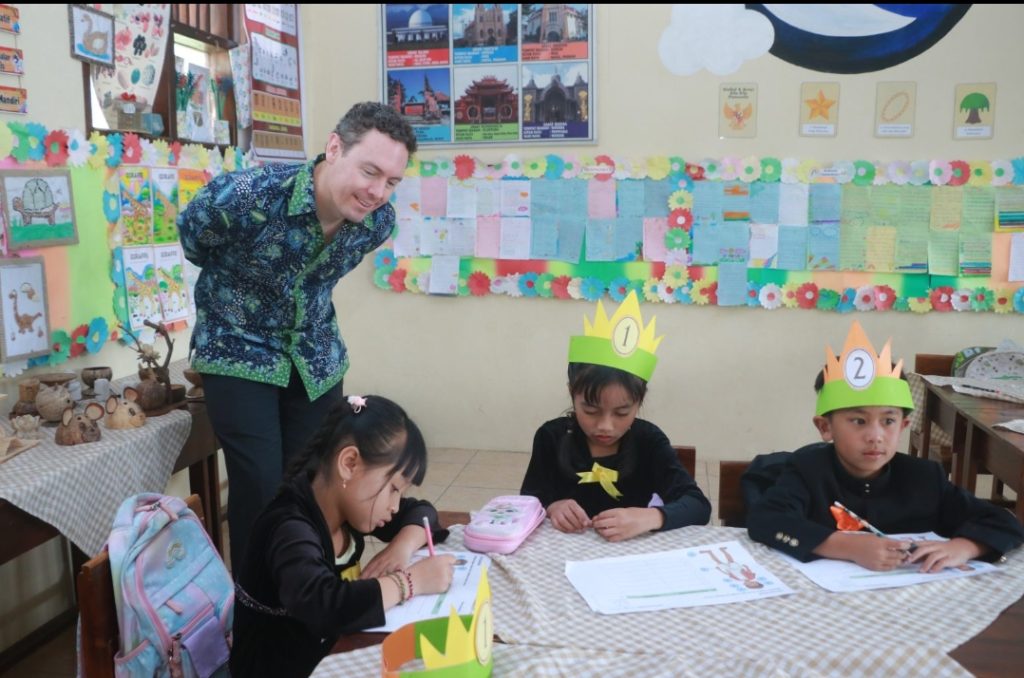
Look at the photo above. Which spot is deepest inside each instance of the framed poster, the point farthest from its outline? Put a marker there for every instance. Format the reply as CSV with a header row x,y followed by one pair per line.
x,y
92,35
275,86
38,208
24,321
500,73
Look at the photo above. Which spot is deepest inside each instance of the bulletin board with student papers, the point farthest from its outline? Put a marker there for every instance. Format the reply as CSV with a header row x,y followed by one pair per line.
x,y
119,196
917,236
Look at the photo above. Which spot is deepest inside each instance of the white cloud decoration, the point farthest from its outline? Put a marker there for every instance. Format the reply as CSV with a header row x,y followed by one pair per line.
x,y
716,37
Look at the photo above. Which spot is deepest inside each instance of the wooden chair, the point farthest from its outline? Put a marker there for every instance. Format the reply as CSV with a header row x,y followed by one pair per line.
x,y
732,510
100,636
687,457
934,364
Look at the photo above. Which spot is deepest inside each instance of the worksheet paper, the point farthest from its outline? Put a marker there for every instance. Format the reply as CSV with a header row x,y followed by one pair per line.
x,y
461,595
711,574
842,576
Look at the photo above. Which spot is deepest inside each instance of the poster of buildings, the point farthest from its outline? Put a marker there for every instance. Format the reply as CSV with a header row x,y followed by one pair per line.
x,y
491,73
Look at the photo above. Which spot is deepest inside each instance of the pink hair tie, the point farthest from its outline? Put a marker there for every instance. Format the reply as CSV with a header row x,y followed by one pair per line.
x,y
357,403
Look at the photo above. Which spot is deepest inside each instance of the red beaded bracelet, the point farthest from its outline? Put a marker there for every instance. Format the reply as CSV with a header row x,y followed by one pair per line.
x,y
408,578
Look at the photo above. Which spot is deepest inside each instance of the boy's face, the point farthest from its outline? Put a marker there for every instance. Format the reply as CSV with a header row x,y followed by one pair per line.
x,y
865,437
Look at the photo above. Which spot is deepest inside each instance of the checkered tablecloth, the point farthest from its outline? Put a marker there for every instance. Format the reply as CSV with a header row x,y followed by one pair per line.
x,y
908,630
78,488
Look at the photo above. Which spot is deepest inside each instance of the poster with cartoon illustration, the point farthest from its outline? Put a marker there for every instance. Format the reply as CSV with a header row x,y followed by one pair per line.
x,y
141,286
38,208
164,183
170,280
710,574
189,183
24,323
136,221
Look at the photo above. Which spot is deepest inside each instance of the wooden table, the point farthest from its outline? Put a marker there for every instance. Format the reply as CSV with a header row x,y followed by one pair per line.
x,y
976,442
997,651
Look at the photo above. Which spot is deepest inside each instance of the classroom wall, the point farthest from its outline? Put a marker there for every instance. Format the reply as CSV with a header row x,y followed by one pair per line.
x,y
485,372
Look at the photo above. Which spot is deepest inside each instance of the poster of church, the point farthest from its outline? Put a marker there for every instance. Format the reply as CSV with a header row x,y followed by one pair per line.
x,y
466,74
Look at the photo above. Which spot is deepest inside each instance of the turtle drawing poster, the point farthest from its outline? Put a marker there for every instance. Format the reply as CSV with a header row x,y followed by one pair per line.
x,y
38,208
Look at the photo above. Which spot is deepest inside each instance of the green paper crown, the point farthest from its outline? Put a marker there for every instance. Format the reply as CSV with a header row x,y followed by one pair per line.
x,y
622,341
861,378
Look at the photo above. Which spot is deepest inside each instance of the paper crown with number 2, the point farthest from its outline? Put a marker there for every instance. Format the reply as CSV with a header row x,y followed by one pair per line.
x,y
622,341
861,378
465,642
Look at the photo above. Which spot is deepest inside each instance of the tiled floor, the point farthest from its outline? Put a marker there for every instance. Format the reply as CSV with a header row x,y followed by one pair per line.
x,y
457,480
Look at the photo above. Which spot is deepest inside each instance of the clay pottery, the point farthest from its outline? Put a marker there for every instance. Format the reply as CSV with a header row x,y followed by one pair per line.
x,y
152,395
56,378
91,374
26,426
177,393
125,412
23,407
75,429
196,379
28,389
52,401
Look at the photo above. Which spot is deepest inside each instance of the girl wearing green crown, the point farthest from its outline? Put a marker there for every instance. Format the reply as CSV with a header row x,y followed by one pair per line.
x,y
599,466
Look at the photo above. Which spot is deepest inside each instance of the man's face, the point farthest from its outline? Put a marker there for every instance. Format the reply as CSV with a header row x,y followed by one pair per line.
x,y
359,179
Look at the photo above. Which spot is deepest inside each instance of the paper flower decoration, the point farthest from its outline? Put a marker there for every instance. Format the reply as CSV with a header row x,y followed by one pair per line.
x,y
215,162
464,166
111,206
21,146
13,369
939,172
1002,301
885,297
1018,300
605,167
675,275
623,169
77,346
6,140
513,165
97,335
753,290
381,277
428,168
941,298
423,281
575,288
789,166
805,171
651,290
828,300
36,140
676,239
731,168
961,299
864,299
770,296
445,168
881,174
712,169
60,347
544,281
592,288
528,284
56,148
863,173
463,286
704,292
789,298
771,170
571,167
844,170
618,289
1002,172
658,167
680,200
638,168
683,295
554,167
847,300
676,167
132,153
920,304
412,284
899,172
981,174
384,257
667,293
115,150
680,218
151,158
510,286
750,169
919,172
560,287
535,168
981,299
695,172
960,173
397,280
199,155
174,153
479,284
412,167
807,295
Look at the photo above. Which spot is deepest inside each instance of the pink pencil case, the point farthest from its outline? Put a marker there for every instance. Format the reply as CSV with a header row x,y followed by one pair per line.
x,y
503,523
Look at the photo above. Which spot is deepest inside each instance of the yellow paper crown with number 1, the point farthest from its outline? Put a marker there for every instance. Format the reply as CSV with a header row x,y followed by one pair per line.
x,y
622,341
861,378
465,640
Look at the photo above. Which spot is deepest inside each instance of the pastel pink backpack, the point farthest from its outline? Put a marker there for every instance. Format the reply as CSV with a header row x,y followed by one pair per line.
x,y
503,524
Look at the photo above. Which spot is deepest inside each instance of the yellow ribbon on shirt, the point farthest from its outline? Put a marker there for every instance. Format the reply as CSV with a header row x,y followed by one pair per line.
x,y
605,476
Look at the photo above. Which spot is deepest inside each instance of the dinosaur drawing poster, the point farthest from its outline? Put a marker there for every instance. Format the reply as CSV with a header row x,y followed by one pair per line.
x,y
38,208
165,204
141,286
23,322
136,222
737,111
170,279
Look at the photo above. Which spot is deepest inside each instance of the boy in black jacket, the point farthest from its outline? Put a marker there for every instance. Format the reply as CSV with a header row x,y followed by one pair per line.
x,y
861,411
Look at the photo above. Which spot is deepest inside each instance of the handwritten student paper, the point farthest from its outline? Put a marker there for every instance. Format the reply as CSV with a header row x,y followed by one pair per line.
x,y
843,576
461,594
700,575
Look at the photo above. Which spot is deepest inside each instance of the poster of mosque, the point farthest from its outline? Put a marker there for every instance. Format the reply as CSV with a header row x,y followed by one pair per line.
x,y
556,101
555,32
487,108
485,34
422,96
416,35
491,73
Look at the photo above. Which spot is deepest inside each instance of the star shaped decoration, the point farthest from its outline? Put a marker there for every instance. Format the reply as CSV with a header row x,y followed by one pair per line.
x,y
819,106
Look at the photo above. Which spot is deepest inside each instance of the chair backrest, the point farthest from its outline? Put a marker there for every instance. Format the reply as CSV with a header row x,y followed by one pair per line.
x,y
732,510
933,363
687,457
100,640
